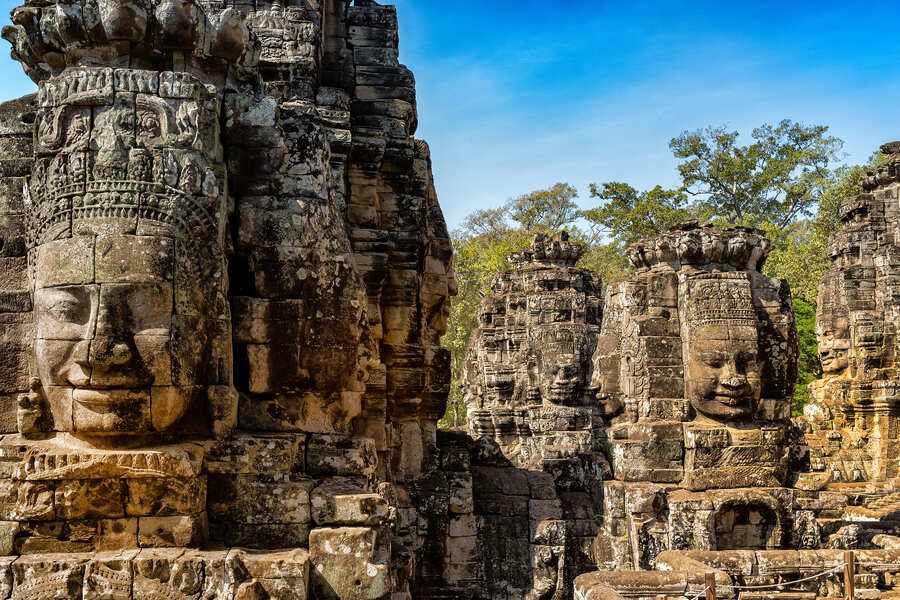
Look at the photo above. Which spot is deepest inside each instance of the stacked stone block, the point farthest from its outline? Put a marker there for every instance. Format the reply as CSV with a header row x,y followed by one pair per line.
x,y
16,124
852,427
297,396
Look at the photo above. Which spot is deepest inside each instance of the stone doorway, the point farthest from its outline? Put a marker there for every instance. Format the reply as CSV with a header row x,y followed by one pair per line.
x,y
746,526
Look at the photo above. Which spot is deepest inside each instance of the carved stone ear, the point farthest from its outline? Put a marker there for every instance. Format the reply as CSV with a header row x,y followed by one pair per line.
x,y
30,416
223,409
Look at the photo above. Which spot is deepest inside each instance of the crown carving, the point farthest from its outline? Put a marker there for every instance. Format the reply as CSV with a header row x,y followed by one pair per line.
x,y
720,298
91,170
693,244
553,249
48,37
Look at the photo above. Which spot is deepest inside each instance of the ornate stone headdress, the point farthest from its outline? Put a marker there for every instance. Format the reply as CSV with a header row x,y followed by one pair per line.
x,y
719,299
690,243
166,186
547,249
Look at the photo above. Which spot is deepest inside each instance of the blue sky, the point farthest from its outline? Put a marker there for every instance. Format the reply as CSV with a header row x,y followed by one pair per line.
x,y
515,96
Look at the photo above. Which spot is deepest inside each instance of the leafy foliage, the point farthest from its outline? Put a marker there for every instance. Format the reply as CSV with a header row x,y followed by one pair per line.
x,y
799,256
810,367
776,179
545,210
627,215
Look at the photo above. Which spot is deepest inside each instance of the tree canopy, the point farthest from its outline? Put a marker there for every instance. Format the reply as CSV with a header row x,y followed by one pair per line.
x,y
777,178
627,215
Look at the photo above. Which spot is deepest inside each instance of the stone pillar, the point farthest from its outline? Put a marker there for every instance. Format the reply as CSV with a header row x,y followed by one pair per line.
x,y
851,421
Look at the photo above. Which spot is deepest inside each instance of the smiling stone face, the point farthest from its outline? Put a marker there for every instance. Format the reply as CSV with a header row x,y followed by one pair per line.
x,y
833,325
109,347
722,372
126,261
561,380
721,356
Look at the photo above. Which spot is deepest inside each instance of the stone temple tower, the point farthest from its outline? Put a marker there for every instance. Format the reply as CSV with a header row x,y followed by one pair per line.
x,y
527,371
853,429
224,276
695,366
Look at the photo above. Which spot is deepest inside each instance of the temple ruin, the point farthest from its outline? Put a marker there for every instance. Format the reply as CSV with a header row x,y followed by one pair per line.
x,y
711,476
852,427
224,275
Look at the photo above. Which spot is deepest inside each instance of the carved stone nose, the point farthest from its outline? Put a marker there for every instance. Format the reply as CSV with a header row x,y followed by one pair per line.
x,y
735,381
108,352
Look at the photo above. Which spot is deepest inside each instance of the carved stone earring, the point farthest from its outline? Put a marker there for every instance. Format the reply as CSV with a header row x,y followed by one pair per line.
x,y
30,413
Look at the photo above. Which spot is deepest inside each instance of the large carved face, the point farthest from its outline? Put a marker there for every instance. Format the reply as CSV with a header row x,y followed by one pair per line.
x,y
561,380
832,325
720,340
111,354
722,371
124,208
834,347
499,384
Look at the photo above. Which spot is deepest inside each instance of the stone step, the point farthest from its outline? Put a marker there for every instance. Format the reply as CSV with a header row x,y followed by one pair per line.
x,y
767,594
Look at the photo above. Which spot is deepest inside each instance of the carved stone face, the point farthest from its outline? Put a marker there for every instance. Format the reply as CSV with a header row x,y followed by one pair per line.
x,y
834,348
722,371
561,380
867,341
126,242
832,325
111,354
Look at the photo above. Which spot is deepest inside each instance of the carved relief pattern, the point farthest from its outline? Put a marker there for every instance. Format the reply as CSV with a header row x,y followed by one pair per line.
x,y
851,422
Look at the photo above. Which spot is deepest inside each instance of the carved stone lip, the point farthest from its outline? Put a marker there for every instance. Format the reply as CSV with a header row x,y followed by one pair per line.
x,y
104,399
566,386
730,399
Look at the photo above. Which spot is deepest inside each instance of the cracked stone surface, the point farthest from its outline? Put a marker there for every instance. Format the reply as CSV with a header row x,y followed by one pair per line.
x,y
224,277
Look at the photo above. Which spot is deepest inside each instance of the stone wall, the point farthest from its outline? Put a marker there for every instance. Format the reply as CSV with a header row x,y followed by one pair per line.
x,y
852,426
242,273
16,125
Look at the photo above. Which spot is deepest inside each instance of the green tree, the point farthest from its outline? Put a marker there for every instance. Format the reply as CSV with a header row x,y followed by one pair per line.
x,y
627,215
777,178
799,256
545,210
607,260
810,368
